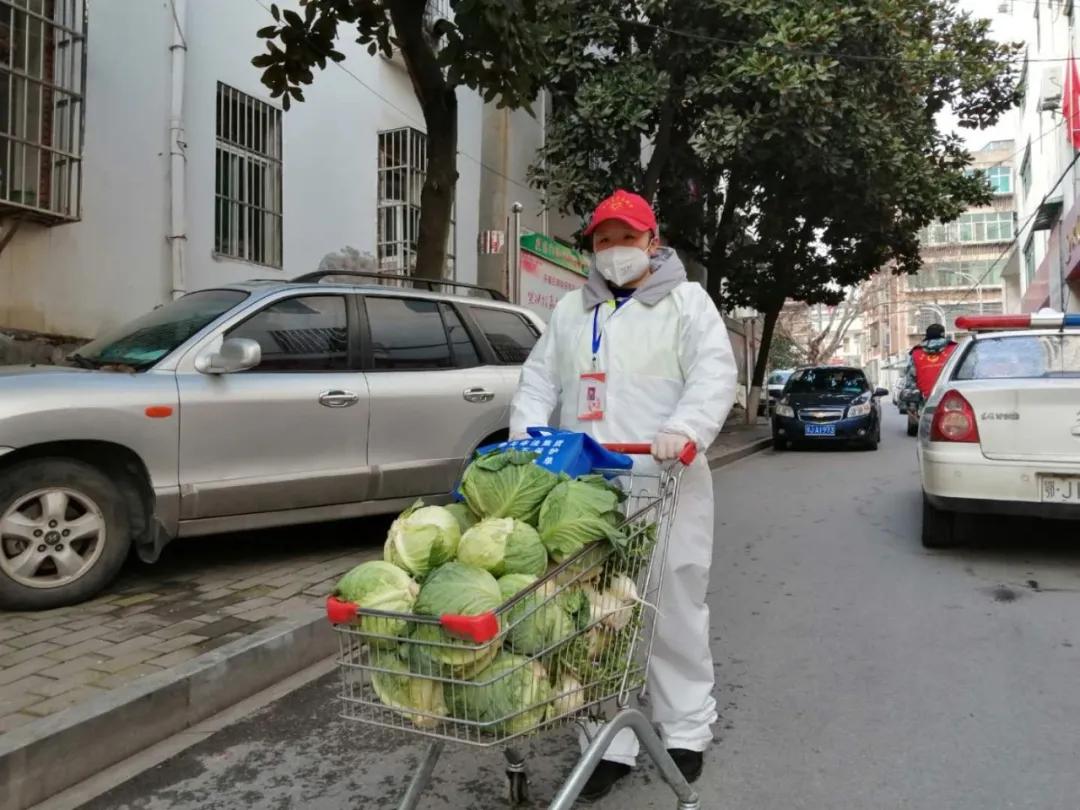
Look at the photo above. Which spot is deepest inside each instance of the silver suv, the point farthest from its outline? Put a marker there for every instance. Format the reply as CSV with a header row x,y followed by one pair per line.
x,y
242,407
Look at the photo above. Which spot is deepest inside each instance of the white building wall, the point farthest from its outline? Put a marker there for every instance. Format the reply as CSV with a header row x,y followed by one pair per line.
x,y
78,278
82,278
1048,36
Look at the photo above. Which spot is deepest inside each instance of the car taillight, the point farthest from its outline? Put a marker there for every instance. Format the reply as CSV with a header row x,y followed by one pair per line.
x,y
954,420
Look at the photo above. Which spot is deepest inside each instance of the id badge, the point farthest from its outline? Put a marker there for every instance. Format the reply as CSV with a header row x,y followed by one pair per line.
x,y
592,394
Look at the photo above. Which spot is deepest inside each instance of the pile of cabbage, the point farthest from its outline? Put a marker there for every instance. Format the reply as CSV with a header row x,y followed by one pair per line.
x,y
517,521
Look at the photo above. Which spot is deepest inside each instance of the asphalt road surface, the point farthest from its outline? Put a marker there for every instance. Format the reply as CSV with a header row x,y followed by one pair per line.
x,y
854,670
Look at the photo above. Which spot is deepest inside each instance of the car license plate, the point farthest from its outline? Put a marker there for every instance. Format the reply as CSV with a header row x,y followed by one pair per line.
x,y
1059,488
821,430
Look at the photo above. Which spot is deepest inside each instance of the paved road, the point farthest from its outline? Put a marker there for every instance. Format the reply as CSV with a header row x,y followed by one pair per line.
x,y
855,670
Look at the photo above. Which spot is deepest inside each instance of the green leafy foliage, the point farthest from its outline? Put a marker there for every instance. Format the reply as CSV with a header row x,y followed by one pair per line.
x,y
490,46
796,149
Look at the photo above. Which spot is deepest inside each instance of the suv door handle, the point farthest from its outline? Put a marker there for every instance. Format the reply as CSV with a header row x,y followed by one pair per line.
x,y
338,399
477,395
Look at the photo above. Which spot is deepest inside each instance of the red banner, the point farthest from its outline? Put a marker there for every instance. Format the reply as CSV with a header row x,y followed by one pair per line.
x,y
1070,102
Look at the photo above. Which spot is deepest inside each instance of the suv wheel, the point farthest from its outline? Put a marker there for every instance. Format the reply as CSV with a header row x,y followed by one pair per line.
x,y
779,443
63,533
938,526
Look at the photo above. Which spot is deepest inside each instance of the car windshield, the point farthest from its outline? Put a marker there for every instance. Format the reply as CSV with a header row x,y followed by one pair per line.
x,y
778,377
146,340
827,381
1019,357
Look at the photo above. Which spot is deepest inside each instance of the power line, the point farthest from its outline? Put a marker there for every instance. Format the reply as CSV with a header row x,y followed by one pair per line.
x,y
838,55
1024,148
1020,230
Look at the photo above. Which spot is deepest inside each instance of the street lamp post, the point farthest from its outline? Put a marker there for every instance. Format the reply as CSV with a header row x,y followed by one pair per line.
x,y
976,283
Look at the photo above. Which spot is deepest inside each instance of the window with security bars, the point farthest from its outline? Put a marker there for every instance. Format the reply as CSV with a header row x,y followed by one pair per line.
x,y
247,200
965,273
42,79
402,170
972,227
924,317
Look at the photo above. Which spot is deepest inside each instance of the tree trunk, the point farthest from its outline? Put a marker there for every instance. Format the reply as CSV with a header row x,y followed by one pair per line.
x,y
437,197
724,229
762,362
662,143
438,101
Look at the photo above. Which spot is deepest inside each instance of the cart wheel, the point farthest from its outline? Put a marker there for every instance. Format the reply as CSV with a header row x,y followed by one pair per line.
x,y
518,784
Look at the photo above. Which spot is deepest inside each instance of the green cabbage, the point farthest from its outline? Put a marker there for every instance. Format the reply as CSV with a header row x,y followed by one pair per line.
x,y
458,589
466,518
405,692
503,546
543,618
378,585
422,538
507,484
512,584
579,511
433,651
512,695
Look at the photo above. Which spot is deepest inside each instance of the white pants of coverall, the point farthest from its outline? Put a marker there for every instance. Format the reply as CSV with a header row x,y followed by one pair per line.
x,y
680,677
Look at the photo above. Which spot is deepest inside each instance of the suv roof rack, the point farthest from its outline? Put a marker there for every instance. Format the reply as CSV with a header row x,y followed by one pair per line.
x,y
420,283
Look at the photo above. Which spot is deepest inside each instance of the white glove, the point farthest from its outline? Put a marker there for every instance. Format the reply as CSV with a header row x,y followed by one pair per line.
x,y
668,446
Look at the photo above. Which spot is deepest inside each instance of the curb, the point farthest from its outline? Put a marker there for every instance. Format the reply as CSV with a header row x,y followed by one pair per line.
x,y
731,456
154,708
44,757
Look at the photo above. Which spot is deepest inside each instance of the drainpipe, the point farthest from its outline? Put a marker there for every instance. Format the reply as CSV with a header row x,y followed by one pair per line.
x,y
177,237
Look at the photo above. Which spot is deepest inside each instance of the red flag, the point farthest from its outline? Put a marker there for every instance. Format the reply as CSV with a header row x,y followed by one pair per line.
x,y
1070,102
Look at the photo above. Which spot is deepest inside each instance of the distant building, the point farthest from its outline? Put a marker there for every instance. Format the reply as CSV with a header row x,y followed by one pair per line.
x,y
1044,270
964,263
142,157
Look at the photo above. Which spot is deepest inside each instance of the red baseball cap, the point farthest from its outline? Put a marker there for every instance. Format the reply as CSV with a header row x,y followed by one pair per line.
x,y
625,206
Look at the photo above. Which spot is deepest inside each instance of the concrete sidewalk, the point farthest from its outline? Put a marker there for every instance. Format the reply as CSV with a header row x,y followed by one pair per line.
x,y
215,621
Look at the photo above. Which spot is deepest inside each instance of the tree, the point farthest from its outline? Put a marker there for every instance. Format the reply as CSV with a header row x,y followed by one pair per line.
x,y
348,260
812,342
492,46
783,353
802,152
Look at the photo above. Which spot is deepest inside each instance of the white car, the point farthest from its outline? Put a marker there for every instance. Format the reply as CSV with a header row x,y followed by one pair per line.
x,y
1000,433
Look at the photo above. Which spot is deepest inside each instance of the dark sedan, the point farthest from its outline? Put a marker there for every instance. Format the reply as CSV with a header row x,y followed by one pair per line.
x,y
824,404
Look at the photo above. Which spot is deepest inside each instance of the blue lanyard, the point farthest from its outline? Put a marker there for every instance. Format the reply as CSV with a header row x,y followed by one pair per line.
x,y
597,332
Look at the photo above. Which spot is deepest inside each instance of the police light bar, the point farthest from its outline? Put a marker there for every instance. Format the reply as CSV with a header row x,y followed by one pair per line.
x,y
988,323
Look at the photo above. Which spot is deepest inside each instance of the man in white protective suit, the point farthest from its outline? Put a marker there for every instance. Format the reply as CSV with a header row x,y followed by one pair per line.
x,y
641,354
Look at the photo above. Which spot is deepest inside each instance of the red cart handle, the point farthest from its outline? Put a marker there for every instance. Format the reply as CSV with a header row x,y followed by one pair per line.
x,y
338,611
686,457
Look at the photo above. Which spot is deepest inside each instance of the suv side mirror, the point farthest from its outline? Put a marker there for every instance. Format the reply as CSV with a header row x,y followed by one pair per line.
x,y
236,354
881,392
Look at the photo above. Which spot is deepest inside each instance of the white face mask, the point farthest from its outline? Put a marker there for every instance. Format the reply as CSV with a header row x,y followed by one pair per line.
x,y
622,264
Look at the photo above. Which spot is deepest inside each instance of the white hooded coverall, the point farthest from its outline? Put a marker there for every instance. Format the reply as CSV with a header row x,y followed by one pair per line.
x,y
670,368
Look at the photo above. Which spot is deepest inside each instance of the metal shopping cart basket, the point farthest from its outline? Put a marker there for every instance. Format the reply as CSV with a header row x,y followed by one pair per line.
x,y
573,646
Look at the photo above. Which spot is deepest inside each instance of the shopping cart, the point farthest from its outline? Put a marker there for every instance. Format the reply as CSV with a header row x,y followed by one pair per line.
x,y
571,647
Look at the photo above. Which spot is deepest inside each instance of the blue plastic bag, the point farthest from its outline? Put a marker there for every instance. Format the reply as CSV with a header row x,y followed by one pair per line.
x,y
562,451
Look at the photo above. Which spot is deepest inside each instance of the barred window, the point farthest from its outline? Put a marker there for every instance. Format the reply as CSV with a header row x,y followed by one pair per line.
x,y
402,170
42,78
973,226
247,205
